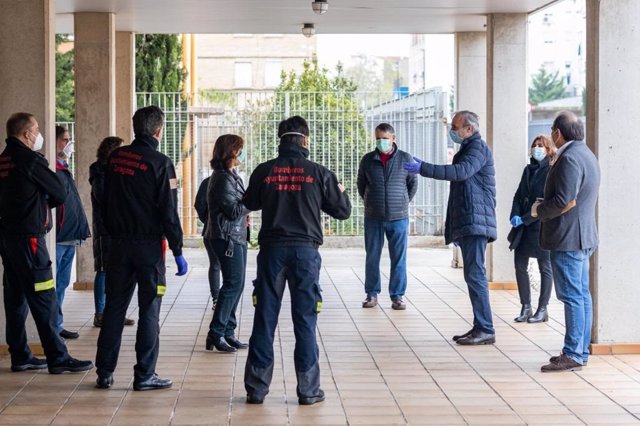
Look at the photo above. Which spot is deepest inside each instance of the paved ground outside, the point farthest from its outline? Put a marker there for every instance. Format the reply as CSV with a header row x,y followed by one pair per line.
x,y
379,366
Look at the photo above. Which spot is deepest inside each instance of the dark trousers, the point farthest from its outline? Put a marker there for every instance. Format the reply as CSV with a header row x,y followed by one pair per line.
x,y
522,277
132,261
233,270
300,266
473,255
28,285
214,268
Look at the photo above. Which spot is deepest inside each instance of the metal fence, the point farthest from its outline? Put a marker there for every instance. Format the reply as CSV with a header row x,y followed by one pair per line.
x,y
342,131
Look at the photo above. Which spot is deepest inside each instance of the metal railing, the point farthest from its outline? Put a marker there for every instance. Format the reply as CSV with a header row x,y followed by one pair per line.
x,y
341,132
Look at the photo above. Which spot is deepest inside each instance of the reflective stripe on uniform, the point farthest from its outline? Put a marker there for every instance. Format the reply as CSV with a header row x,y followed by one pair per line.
x,y
319,306
44,285
162,289
255,300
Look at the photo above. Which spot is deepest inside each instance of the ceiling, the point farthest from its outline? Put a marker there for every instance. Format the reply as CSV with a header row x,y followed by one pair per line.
x,y
287,16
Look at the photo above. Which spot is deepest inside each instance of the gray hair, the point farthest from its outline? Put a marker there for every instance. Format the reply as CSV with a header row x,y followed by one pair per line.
x,y
470,119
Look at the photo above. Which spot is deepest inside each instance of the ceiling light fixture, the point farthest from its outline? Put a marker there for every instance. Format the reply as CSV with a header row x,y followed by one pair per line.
x,y
308,30
320,6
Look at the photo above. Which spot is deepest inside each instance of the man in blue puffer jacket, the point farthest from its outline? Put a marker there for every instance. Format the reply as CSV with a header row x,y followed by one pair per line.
x,y
471,215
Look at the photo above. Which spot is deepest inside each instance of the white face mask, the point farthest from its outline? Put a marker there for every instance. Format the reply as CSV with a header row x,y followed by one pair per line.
x,y
37,146
69,149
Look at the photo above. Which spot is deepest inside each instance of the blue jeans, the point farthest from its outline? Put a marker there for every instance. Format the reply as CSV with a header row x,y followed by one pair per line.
x,y
233,268
396,232
473,249
99,291
571,275
64,261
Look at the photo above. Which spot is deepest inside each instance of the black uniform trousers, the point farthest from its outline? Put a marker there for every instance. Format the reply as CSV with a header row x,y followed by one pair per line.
x,y
132,261
28,285
300,266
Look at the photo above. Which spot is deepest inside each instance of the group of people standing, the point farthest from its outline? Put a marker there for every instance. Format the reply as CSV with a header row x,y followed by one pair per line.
x,y
134,199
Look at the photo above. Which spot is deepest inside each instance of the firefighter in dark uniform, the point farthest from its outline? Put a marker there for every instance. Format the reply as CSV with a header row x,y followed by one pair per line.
x,y
292,192
139,210
28,191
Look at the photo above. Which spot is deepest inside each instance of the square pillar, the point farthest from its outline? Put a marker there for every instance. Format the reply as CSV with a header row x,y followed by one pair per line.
x,y
613,59
27,79
471,74
125,83
95,73
506,128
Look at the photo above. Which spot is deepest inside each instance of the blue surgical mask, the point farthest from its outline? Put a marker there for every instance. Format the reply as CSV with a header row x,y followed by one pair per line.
x,y
455,137
383,145
538,153
242,156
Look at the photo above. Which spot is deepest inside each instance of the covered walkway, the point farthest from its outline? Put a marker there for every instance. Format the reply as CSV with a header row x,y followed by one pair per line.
x,y
379,366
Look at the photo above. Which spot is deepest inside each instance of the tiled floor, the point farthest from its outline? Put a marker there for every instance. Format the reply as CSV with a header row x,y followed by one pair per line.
x,y
379,366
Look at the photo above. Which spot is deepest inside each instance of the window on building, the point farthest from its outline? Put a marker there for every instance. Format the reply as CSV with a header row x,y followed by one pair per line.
x,y
272,71
243,78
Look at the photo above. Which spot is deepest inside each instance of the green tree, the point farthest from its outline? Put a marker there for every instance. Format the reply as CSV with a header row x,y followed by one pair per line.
x,y
546,87
338,134
160,79
65,82
159,63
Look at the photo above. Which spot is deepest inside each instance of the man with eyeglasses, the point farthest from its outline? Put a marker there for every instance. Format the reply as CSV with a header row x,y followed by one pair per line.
x,y
471,215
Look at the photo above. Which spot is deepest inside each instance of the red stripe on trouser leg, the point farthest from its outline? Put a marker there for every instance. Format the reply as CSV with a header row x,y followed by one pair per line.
x,y
33,244
164,249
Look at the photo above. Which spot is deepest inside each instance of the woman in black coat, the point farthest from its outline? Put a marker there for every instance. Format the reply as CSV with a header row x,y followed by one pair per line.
x,y
525,235
227,233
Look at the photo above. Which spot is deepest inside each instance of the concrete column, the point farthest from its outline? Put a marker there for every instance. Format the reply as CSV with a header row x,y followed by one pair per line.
x,y
506,127
471,74
125,83
27,79
95,66
613,58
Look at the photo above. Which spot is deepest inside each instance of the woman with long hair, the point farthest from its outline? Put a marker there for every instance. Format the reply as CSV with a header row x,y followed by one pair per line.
x,y
227,233
525,235
101,239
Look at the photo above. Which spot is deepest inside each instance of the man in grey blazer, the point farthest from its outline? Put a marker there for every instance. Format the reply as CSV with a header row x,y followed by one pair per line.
x,y
568,215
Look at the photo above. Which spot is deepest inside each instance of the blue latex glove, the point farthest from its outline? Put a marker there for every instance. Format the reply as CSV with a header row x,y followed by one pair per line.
x,y
182,265
413,167
516,221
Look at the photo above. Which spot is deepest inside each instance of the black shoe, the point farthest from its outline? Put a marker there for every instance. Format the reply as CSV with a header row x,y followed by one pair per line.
x,y
129,321
232,341
310,400
152,383
477,338
220,344
541,315
66,334
254,399
97,320
71,365
525,313
104,382
462,336
556,359
32,364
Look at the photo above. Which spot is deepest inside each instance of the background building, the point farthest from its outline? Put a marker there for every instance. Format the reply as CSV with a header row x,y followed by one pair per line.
x,y
249,61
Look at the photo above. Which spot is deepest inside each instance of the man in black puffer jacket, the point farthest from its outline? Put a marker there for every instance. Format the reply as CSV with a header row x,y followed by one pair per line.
x,y
471,215
387,188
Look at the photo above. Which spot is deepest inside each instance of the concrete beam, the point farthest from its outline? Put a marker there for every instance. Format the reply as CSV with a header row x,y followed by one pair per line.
x,y
613,59
506,126
471,74
95,73
27,79
125,83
